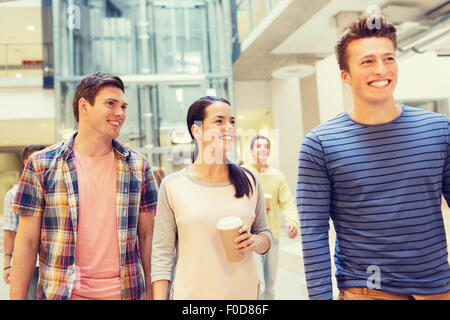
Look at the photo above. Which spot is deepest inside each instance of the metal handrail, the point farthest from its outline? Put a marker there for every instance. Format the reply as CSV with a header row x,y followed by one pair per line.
x,y
6,66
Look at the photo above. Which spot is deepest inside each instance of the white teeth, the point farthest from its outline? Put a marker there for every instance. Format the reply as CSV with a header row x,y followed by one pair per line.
x,y
379,84
116,123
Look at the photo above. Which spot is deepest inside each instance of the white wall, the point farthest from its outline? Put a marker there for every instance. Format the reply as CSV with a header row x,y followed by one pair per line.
x,y
423,76
252,95
287,119
26,103
329,87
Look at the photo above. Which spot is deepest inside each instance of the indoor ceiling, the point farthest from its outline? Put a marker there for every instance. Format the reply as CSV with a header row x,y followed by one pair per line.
x,y
306,30
20,3
317,32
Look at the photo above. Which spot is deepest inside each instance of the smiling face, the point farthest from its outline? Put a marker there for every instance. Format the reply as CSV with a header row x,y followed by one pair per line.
x,y
372,70
261,151
217,132
108,113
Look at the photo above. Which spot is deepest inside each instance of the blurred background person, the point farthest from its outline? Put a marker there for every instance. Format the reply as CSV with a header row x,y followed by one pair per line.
x,y
278,196
10,225
159,174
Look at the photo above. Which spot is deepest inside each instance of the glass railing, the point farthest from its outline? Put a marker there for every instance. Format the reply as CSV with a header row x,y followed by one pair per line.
x,y
23,59
249,13
246,15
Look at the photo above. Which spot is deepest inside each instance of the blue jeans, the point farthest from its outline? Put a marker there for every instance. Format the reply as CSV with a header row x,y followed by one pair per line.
x,y
32,290
267,266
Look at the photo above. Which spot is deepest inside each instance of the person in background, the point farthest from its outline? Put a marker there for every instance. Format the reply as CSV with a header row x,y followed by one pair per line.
x,y
193,200
379,172
87,205
159,174
10,225
278,195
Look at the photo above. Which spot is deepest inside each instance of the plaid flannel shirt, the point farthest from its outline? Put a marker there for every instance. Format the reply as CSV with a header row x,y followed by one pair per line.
x,y
11,219
48,188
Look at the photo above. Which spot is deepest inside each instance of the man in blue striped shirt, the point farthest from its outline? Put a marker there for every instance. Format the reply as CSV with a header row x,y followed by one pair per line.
x,y
379,172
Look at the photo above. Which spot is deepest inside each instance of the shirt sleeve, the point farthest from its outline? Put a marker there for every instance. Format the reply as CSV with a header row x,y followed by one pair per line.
x,y
313,202
11,219
149,193
29,199
260,224
286,203
164,238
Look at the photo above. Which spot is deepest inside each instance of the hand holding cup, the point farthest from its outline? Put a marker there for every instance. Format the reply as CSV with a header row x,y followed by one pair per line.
x,y
245,241
229,229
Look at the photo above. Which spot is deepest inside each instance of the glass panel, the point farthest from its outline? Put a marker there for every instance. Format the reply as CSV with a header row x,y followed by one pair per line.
x,y
180,39
243,19
3,60
183,37
66,123
21,59
260,9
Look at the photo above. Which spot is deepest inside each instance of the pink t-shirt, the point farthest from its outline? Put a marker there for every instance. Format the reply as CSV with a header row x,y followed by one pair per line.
x,y
97,248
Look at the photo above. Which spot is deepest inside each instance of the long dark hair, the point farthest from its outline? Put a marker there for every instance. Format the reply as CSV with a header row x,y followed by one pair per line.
x,y
238,175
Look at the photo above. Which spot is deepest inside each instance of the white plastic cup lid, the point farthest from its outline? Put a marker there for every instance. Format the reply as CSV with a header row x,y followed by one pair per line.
x,y
267,196
229,223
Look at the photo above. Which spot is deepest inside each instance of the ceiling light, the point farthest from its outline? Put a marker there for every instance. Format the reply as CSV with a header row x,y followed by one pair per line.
x,y
180,137
294,71
211,92
30,28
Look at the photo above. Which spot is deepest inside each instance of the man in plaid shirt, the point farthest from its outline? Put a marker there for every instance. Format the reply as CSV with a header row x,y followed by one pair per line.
x,y
86,205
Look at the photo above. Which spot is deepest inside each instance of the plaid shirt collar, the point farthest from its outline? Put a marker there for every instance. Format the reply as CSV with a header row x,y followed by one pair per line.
x,y
68,146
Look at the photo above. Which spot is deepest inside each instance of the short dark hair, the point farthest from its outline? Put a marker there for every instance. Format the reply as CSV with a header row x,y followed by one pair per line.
x,y
363,27
31,148
252,142
91,85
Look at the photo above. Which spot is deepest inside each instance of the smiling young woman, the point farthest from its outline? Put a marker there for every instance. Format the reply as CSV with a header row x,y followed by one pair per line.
x,y
193,200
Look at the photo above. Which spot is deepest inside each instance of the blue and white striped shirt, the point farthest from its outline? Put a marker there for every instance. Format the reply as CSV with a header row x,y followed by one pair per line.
x,y
381,185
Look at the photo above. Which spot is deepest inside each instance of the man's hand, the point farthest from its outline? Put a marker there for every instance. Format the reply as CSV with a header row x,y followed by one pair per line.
x,y
6,275
291,231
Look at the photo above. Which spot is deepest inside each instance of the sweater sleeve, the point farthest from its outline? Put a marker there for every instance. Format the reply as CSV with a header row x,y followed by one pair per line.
x,y
313,202
286,203
164,238
260,224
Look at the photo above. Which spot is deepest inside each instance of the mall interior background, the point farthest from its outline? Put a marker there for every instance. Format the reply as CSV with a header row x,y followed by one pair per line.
x,y
273,59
